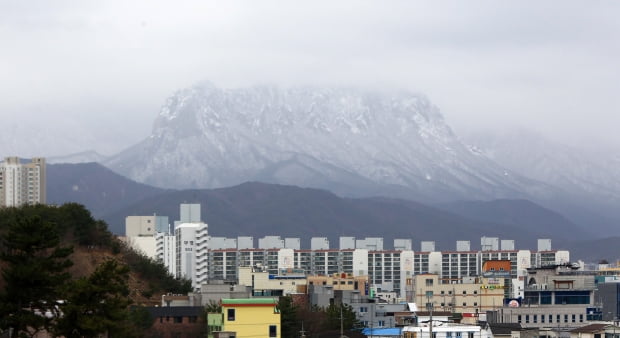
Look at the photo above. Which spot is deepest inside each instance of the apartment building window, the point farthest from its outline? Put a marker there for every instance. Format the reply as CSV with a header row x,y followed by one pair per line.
x,y
475,303
429,282
464,304
581,318
470,335
459,334
475,292
519,319
464,292
535,319
527,319
550,318
542,318
448,334
381,323
573,318
273,331
231,314
565,318
557,318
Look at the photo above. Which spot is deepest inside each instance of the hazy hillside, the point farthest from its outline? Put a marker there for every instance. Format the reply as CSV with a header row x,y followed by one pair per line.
x,y
95,186
257,209
523,214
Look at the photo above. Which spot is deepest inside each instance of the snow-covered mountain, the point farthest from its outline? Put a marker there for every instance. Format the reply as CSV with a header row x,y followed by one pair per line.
x,y
590,177
349,140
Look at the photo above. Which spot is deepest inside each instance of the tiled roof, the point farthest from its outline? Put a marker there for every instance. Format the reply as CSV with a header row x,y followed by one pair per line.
x,y
590,328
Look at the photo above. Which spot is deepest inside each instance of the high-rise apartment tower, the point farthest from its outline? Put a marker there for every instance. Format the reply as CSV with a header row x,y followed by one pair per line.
x,y
22,183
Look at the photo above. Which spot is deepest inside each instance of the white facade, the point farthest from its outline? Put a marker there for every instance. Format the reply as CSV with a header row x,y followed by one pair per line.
x,y
22,183
166,251
360,262
140,226
145,245
270,242
286,259
319,243
447,330
191,252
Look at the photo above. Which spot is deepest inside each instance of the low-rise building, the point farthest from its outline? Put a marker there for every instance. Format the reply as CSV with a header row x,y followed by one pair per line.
x,y
471,297
252,317
263,283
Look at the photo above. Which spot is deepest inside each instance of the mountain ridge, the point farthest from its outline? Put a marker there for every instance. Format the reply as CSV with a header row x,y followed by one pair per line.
x,y
207,137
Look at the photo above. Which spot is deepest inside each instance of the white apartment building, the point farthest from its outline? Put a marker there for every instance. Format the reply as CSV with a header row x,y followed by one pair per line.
x,y
191,252
22,183
165,251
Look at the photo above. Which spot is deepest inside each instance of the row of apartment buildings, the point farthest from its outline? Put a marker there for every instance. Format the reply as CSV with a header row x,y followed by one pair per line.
x,y
191,253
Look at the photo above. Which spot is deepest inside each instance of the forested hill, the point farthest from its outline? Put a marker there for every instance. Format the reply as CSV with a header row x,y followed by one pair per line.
x,y
62,253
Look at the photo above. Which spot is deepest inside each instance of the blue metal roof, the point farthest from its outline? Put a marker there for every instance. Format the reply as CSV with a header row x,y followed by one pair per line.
x,y
390,331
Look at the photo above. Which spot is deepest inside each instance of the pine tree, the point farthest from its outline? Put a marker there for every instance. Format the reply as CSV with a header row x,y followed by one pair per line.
x,y
36,266
289,323
98,304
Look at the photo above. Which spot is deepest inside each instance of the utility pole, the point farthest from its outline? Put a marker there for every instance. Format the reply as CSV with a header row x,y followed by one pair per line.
x,y
302,333
342,322
430,309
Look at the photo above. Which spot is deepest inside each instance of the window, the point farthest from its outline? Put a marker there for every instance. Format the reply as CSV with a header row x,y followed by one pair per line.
x,y
231,314
475,292
464,304
363,309
581,318
550,318
535,319
273,331
429,293
459,334
178,320
542,318
448,334
475,303
519,319
381,323
442,292
429,282
527,319
565,318
573,318
470,335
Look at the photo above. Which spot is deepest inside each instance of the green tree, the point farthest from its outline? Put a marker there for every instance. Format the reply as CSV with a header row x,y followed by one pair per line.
x,y
290,326
213,307
334,312
98,304
36,266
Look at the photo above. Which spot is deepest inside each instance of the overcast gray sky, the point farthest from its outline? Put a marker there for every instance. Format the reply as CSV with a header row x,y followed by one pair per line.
x,y
95,73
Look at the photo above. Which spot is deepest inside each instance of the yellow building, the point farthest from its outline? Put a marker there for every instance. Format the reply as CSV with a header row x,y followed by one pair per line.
x,y
251,317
